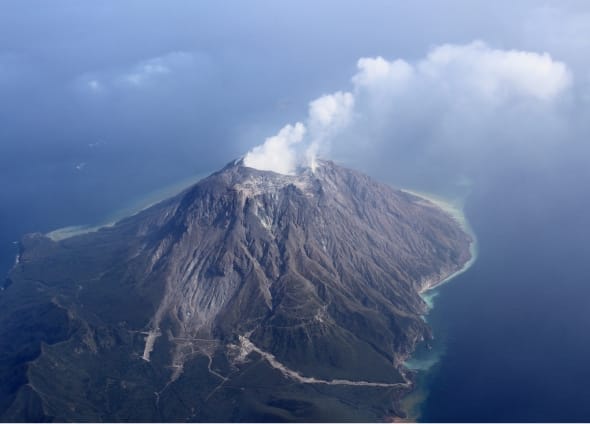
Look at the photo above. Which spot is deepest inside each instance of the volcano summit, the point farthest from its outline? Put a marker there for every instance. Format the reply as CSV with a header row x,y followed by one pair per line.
x,y
250,296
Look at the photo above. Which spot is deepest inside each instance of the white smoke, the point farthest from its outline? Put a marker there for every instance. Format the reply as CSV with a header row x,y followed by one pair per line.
x,y
278,153
327,116
298,145
454,92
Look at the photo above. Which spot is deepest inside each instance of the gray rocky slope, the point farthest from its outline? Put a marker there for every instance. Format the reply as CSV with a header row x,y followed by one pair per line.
x,y
249,296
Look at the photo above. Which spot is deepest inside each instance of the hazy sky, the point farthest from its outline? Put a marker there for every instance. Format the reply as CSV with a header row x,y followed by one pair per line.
x,y
103,101
116,97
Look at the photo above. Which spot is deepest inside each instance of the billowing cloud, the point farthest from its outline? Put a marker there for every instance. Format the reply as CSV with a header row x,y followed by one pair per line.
x,y
495,74
457,107
455,95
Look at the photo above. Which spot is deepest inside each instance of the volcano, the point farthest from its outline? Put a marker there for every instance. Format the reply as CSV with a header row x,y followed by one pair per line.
x,y
250,296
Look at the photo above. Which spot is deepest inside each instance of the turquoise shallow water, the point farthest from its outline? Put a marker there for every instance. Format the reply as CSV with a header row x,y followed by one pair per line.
x,y
511,333
136,205
25,210
428,354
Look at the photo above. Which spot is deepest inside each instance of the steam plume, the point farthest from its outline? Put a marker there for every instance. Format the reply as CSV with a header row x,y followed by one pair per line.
x,y
455,89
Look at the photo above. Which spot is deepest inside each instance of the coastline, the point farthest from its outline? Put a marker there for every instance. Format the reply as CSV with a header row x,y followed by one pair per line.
x,y
454,208
411,401
138,205
421,360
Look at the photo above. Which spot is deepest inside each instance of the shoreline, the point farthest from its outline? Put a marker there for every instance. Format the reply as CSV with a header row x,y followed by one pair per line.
x,y
411,402
414,397
134,207
454,208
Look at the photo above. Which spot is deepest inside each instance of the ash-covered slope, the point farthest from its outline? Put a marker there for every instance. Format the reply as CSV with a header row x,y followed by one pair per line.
x,y
250,296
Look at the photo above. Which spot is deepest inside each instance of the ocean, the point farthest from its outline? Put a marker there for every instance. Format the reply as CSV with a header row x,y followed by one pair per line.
x,y
68,195
512,337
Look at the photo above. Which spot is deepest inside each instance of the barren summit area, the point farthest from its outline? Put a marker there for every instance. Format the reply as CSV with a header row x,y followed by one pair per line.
x,y
251,295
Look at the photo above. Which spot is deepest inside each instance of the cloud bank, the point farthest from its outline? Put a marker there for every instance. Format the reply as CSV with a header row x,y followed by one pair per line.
x,y
454,93
141,75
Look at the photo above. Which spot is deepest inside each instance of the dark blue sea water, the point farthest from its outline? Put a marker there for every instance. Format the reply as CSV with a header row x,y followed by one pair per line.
x,y
50,187
513,332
